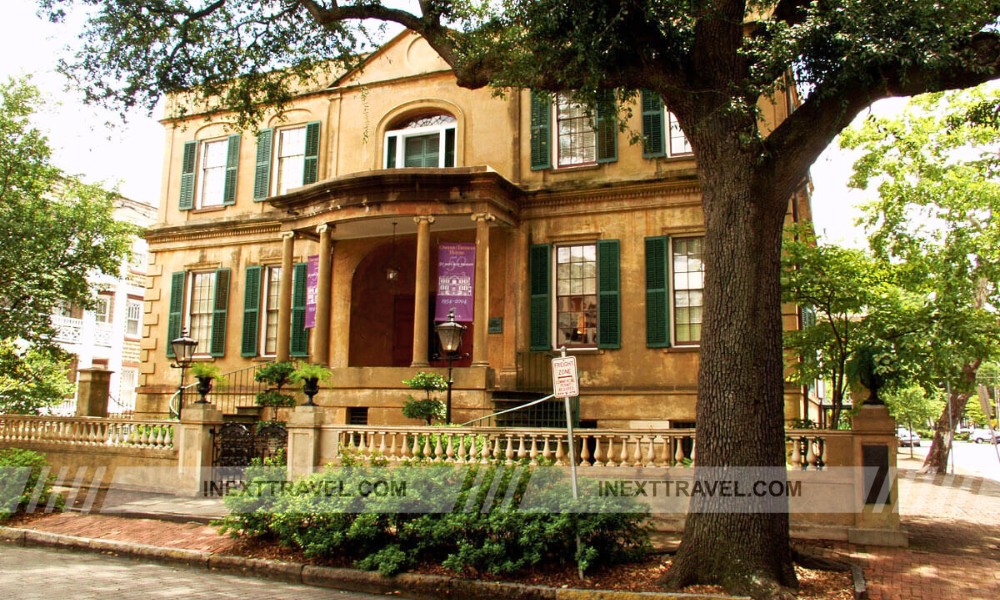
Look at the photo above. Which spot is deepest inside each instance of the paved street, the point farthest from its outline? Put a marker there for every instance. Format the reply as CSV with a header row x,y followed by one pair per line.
x,y
979,460
36,573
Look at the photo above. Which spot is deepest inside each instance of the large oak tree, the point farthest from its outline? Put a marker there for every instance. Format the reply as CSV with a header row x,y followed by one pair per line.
x,y
711,60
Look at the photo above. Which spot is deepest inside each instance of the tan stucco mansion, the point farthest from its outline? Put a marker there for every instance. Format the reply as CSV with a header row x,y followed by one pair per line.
x,y
581,239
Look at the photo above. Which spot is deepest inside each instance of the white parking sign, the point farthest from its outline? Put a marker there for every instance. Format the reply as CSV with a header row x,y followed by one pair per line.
x,y
565,383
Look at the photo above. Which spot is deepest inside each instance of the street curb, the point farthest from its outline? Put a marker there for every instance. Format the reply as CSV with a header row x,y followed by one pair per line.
x,y
407,585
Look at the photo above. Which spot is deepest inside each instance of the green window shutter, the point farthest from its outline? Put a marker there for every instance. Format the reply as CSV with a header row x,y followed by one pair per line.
x,y
176,311
539,282
300,335
390,156
262,172
251,312
653,143
607,128
220,311
310,167
609,313
541,116
657,292
232,168
187,176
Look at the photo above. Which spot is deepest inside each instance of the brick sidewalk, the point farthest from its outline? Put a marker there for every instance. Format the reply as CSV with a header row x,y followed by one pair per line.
x,y
953,522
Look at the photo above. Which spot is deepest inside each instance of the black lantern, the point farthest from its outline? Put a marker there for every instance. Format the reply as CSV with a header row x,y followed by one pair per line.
x,y
450,335
183,348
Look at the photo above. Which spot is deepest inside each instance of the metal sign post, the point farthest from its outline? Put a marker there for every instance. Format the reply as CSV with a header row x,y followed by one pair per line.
x,y
566,385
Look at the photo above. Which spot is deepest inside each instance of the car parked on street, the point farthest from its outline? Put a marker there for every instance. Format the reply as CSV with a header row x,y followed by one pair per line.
x,y
981,435
908,438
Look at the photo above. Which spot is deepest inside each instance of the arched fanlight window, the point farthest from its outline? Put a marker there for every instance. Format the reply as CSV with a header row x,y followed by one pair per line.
x,y
426,141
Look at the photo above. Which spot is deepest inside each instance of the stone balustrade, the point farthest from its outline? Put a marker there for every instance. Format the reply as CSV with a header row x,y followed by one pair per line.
x,y
806,449
83,431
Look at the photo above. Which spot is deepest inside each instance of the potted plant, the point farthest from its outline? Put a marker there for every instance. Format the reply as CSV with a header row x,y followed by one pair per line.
x,y
310,375
427,408
206,373
276,374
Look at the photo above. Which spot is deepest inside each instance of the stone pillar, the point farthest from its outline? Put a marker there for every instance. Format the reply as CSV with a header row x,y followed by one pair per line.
x,y
303,440
876,480
194,443
421,291
321,333
285,297
92,391
480,326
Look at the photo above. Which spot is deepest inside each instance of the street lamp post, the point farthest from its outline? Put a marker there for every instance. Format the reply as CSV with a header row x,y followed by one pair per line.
x,y
450,335
183,348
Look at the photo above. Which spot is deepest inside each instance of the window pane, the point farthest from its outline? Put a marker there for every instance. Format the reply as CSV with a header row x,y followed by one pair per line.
x,y
689,280
577,139
200,312
576,301
213,173
291,158
272,289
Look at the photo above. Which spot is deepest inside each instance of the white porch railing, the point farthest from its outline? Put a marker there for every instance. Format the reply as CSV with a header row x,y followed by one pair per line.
x,y
85,431
806,449
68,329
103,334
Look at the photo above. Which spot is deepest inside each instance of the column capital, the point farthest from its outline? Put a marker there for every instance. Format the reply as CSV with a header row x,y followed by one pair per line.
x,y
321,229
424,218
287,234
483,216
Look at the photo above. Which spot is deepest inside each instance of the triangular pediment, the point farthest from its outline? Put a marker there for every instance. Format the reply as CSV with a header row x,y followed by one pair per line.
x,y
406,55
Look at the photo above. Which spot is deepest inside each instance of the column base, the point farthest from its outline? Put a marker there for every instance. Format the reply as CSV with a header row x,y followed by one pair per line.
x,y
419,365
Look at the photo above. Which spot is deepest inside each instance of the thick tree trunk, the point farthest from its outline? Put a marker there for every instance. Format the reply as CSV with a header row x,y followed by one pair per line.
x,y
944,428
740,413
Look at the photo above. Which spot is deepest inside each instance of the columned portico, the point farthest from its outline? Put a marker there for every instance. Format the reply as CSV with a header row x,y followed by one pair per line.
x,y
421,290
480,354
283,352
321,335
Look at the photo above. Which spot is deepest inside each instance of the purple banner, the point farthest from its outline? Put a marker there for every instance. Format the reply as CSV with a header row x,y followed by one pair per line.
x,y
456,281
312,290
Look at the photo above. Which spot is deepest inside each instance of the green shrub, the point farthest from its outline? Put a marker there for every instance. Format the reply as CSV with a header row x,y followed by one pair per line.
x,y
20,471
275,398
488,529
427,409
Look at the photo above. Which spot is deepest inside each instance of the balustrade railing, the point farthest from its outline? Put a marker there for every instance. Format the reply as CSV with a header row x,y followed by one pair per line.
x,y
84,431
806,449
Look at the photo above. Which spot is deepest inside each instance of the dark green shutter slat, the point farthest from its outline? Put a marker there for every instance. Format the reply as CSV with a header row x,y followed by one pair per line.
x,y
300,335
262,171
251,312
390,158
539,282
609,316
310,166
449,148
175,316
232,169
187,176
653,143
657,296
607,128
220,311
541,116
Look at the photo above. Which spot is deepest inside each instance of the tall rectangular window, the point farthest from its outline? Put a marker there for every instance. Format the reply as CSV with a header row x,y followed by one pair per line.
x,y
678,141
689,286
272,285
576,136
133,317
102,311
290,159
576,295
212,190
200,309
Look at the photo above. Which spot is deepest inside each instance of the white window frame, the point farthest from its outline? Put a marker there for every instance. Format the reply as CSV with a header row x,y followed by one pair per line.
x,y
672,274
133,305
204,347
401,135
202,197
279,174
556,295
674,133
265,291
107,301
589,115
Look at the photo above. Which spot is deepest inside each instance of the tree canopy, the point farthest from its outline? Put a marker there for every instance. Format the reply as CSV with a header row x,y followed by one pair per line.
x,y
710,60
54,230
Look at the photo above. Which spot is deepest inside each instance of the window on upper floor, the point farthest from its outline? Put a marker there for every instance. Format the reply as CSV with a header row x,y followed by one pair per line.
x,y
575,299
287,158
675,285
582,135
208,173
199,301
133,317
102,310
427,141
661,133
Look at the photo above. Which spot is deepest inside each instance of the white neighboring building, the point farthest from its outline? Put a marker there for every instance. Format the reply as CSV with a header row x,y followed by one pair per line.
x,y
108,337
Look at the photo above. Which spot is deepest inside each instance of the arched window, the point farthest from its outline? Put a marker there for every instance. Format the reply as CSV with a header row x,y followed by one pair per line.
x,y
426,141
